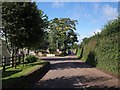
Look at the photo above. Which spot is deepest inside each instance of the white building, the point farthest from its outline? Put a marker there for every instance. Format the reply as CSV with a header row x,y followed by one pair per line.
x,y
3,50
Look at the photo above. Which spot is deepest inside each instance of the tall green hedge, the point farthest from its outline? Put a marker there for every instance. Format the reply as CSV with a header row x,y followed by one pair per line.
x,y
101,50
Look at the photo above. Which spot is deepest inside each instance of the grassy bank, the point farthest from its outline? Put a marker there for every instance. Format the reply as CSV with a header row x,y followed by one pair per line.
x,y
101,50
11,74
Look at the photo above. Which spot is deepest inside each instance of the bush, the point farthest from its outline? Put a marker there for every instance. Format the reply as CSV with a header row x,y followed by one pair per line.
x,y
31,59
63,54
91,59
79,52
52,50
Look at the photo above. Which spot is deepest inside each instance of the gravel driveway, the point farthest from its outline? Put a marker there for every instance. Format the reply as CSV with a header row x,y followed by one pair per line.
x,y
70,72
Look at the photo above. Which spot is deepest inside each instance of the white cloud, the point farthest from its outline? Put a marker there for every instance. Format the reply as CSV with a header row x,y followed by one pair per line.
x,y
75,15
94,32
89,34
109,11
97,31
57,4
81,37
75,12
78,12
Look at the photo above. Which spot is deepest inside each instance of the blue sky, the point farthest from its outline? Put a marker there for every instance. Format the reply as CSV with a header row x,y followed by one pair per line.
x,y
91,16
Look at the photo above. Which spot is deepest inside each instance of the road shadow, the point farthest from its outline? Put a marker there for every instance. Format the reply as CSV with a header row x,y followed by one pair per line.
x,y
71,82
9,73
68,65
59,58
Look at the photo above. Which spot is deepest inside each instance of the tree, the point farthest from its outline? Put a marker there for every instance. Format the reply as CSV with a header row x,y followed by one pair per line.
x,y
23,24
60,30
43,43
71,38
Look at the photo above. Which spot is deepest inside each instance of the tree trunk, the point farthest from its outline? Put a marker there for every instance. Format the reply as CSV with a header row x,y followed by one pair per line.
x,y
28,51
7,43
16,50
64,47
12,54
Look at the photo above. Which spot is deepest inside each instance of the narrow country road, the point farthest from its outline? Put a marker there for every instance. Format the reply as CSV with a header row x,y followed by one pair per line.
x,y
70,72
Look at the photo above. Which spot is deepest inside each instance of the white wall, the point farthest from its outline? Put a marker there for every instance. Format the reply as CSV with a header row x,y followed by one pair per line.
x,y
4,51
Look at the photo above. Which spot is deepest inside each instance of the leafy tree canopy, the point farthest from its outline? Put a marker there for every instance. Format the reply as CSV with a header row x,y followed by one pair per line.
x,y
23,23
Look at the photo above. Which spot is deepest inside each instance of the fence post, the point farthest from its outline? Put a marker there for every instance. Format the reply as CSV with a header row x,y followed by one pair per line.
x,y
3,62
10,61
23,59
13,61
19,59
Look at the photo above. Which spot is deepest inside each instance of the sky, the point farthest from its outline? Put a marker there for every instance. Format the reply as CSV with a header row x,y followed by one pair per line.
x,y
91,16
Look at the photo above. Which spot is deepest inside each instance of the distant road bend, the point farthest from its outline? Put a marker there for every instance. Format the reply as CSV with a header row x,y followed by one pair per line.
x,y
70,72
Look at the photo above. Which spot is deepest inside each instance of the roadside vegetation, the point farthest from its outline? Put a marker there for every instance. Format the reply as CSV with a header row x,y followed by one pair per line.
x,y
101,50
24,27
62,34
12,74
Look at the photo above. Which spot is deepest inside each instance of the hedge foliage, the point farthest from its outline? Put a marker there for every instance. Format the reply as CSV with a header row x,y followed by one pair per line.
x,y
31,59
101,50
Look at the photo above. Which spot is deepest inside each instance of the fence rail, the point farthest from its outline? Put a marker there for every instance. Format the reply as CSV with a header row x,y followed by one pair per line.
x,y
12,61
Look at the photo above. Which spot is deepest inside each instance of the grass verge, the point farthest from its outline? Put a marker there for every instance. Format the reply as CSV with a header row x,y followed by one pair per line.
x,y
11,74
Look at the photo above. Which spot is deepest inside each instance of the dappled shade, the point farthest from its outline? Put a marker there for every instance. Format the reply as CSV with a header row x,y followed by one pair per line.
x,y
68,65
71,82
9,73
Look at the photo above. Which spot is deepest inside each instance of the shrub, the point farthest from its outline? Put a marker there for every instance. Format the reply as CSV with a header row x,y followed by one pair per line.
x,y
63,54
91,59
80,52
52,50
31,59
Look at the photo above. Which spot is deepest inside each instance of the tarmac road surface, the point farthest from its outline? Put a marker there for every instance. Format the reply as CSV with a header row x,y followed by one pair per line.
x,y
70,72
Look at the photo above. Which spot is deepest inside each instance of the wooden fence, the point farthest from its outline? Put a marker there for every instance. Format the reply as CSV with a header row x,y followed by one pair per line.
x,y
13,61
